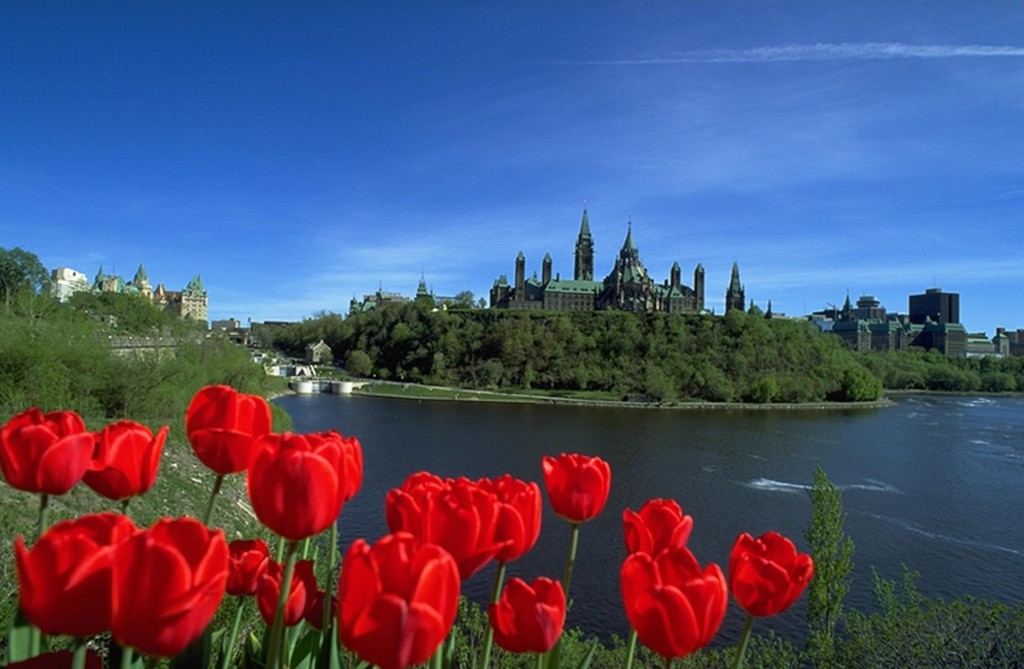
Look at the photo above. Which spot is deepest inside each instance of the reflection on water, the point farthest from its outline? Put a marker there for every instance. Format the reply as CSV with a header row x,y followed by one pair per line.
x,y
933,483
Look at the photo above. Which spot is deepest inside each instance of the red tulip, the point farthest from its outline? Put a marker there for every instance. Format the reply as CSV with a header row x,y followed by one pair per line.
x,y
519,514
45,453
126,459
674,607
300,594
459,515
396,600
528,617
577,485
659,525
168,582
65,578
766,575
315,610
247,560
298,482
352,454
222,424
58,660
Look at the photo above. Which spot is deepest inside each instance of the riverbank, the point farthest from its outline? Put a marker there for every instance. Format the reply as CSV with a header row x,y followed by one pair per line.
x,y
412,391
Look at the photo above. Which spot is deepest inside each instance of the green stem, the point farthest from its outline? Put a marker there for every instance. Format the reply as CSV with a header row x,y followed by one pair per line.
x,y
437,659
554,656
275,653
668,663
127,657
631,653
744,638
225,660
81,650
44,503
540,660
574,539
213,496
124,505
499,578
329,581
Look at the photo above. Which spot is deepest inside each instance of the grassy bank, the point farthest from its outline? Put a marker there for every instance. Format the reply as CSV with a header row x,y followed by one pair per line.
x,y
586,398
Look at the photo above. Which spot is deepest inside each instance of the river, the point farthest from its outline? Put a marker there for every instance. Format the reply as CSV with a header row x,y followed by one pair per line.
x,y
935,483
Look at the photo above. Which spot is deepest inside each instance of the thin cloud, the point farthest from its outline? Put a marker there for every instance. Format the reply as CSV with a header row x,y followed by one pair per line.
x,y
821,51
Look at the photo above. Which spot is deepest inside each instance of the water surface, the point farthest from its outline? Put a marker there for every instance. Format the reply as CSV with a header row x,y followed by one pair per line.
x,y
935,483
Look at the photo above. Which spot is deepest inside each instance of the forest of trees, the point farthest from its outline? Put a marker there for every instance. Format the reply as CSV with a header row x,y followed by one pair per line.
x,y
657,357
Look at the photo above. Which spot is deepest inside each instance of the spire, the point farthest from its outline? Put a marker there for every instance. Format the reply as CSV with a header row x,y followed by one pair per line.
x,y
628,245
584,260
734,295
585,225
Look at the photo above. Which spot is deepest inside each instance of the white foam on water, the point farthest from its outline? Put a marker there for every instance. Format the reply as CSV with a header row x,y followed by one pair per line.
x,y
917,529
776,486
785,486
872,484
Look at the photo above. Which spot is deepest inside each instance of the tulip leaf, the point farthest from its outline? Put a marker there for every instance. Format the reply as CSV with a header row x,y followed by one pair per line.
x,y
253,657
304,653
19,639
585,662
329,657
449,655
197,654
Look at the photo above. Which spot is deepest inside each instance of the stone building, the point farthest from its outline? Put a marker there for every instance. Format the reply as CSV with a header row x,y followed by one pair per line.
x,y
189,303
628,287
65,282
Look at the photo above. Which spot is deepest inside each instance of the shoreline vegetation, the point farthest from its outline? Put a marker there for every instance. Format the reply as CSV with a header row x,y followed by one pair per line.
x,y
423,392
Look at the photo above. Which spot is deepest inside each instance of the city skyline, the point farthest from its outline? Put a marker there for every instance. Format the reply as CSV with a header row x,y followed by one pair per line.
x,y
295,158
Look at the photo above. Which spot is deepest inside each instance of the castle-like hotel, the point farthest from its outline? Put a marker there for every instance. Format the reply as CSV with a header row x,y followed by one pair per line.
x,y
188,303
628,287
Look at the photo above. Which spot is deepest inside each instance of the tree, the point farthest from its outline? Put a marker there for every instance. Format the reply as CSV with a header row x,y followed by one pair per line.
x,y
463,298
832,550
359,363
20,270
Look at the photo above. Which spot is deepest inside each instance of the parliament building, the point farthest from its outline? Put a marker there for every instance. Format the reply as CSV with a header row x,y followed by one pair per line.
x,y
628,287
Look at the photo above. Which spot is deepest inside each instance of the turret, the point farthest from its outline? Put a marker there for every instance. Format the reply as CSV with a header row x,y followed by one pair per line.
x,y
520,276
545,271
698,286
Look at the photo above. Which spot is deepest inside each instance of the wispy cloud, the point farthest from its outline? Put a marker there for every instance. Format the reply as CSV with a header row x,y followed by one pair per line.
x,y
819,51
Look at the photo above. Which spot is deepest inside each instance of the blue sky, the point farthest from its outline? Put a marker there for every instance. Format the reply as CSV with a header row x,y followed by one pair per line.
x,y
295,156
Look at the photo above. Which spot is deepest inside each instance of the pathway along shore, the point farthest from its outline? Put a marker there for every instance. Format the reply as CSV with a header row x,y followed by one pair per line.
x,y
413,391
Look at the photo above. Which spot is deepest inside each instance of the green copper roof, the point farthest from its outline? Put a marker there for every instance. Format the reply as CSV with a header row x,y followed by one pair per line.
x,y
196,286
585,225
628,245
140,275
580,286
